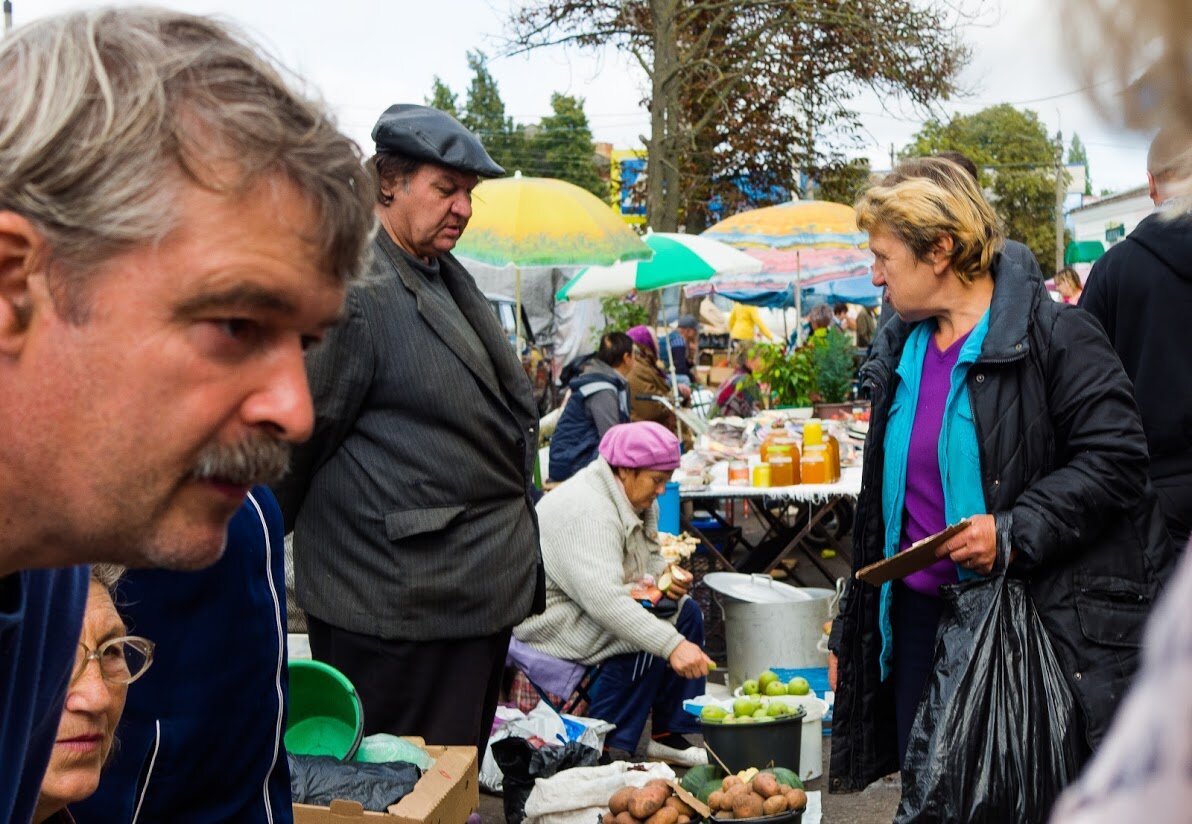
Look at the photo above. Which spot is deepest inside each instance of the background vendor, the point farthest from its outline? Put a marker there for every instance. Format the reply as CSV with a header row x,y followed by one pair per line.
x,y
599,538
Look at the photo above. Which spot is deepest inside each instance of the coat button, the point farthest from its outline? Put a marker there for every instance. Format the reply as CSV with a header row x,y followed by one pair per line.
x,y
980,377
997,481
1078,676
1018,347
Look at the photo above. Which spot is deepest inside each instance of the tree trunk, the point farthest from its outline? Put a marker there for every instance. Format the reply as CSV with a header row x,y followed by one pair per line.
x,y
662,165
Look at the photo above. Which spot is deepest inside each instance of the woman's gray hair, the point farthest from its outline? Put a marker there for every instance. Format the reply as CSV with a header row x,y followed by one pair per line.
x,y
104,114
108,575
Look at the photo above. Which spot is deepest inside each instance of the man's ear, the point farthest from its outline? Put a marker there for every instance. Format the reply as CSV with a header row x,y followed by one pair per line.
x,y
22,256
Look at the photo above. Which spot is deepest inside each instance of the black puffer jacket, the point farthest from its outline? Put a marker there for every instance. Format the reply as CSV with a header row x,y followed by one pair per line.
x,y
1064,466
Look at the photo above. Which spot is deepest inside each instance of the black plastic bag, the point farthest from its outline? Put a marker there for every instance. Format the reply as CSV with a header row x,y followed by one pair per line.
x,y
521,763
995,738
320,779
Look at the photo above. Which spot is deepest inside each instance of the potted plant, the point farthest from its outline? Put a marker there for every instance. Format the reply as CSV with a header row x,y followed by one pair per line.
x,y
833,369
785,379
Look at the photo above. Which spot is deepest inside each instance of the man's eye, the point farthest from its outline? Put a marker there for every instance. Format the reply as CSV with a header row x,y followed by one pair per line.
x,y
239,328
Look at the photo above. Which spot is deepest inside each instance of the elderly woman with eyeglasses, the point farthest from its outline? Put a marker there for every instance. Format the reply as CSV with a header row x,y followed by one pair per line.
x,y
108,660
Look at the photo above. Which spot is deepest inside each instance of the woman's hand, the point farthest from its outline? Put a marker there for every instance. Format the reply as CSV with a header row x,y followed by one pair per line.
x,y
975,548
689,661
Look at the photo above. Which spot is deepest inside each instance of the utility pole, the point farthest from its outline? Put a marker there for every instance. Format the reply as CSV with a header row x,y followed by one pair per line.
x,y
1060,190
7,16
891,157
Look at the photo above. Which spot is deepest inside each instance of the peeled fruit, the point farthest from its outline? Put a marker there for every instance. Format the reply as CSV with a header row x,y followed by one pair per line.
x,y
775,688
751,687
765,678
798,686
713,713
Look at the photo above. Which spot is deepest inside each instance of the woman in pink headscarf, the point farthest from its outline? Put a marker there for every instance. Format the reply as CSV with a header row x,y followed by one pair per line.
x,y
647,379
599,542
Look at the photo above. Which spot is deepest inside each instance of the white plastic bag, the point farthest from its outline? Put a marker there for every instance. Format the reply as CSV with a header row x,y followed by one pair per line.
x,y
580,795
546,724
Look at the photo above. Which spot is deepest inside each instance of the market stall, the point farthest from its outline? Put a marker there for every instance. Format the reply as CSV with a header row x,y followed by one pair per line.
x,y
769,461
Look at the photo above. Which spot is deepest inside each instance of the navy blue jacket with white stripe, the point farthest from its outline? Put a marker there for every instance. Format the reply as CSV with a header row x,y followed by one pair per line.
x,y
201,736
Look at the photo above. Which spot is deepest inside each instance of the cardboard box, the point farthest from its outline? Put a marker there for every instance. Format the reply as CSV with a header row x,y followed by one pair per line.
x,y
719,374
446,794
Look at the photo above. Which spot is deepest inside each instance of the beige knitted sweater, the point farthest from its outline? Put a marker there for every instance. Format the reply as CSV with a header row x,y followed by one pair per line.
x,y
594,546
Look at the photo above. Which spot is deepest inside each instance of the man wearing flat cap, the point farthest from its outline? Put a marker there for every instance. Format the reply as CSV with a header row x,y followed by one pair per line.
x,y
415,539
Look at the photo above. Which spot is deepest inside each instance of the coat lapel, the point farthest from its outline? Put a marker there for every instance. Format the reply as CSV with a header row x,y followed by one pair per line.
x,y
479,314
434,315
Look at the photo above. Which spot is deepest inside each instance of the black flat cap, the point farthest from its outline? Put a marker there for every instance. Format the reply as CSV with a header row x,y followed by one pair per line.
x,y
428,134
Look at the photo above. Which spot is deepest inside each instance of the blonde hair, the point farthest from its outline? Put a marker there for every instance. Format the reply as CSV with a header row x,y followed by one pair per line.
x,y
926,199
1069,276
105,112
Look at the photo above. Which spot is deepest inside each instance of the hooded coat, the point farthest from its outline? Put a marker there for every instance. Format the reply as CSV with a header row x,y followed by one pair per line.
x,y
1063,463
1141,293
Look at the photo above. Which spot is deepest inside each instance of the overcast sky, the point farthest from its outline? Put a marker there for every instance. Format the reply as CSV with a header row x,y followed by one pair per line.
x,y
363,56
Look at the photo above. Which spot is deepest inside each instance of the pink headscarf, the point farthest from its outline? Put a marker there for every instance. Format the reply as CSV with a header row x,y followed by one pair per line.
x,y
644,337
641,445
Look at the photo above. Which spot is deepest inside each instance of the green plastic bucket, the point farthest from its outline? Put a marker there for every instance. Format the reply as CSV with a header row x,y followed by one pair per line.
x,y
325,715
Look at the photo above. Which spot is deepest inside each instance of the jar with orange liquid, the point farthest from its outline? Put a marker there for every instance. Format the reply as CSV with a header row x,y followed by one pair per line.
x,y
738,473
784,471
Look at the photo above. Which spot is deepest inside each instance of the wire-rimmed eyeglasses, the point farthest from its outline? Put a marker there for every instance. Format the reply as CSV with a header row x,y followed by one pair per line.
x,y
121,660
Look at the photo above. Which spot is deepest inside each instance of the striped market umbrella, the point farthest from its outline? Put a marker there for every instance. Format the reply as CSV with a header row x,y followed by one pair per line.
x,y
678,258
802,224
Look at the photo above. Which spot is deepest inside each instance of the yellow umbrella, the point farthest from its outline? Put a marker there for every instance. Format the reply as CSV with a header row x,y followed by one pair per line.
x,y
540,221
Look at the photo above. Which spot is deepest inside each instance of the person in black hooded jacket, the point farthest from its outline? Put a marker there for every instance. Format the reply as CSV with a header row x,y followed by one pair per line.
x,y
1060,460
1141,292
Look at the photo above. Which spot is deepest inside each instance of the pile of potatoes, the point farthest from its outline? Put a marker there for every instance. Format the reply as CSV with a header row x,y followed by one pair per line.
x,y
762,796
654,803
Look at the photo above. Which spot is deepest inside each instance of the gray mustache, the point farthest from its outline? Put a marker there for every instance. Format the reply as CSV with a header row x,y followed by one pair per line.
x,y
255,460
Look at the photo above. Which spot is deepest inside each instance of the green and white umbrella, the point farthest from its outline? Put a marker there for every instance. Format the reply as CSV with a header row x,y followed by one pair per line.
x,y
677,259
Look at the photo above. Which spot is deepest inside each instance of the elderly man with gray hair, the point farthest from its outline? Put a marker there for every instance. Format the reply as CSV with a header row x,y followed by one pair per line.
x,y
176,226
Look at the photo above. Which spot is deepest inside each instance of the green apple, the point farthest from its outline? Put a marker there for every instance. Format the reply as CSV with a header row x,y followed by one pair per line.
x,y
760,714
798,686
746,719
765,678
775,688
713,713
777,709
750,687
745,706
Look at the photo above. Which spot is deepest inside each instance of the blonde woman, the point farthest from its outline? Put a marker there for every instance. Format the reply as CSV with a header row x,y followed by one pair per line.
x,y
994,403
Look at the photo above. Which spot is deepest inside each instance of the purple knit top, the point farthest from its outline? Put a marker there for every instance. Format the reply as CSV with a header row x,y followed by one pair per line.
x,y
924,508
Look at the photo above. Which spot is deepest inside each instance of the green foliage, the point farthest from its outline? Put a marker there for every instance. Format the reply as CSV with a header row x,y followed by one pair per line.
x,y
560,146
621,314
842,181
832,364
1017,160
789,379
485,115
443,99
563,146
1077,154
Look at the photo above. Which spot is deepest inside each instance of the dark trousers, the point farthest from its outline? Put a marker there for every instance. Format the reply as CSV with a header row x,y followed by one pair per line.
x,y
1175,499
914,619
444,691
631,686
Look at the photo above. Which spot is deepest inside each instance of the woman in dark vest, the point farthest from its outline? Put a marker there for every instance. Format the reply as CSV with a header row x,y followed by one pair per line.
x,y
599,400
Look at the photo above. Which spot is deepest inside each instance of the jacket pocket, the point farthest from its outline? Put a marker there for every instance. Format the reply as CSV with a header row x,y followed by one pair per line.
x,y
1111,611
410,522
